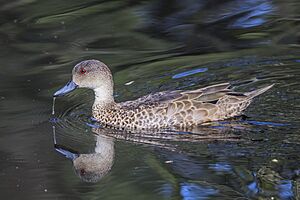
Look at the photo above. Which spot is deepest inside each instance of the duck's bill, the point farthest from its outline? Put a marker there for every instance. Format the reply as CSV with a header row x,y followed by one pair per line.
x,y
69,87
68,153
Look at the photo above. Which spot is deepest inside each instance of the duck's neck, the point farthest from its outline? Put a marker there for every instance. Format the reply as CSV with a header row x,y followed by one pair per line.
x,y
103,97
104,146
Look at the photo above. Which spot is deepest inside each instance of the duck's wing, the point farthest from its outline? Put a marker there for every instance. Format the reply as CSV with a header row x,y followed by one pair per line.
x,y
214,94
211,103
207,94
150,99
210,93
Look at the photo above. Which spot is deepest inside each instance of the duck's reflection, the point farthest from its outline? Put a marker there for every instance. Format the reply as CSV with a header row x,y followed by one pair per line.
x,y
91,167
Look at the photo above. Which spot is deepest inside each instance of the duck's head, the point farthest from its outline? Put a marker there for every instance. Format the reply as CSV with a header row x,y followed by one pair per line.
x,y
91,74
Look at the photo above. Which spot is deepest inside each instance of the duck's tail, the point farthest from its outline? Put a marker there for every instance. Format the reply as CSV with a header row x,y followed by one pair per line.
x,y
257,92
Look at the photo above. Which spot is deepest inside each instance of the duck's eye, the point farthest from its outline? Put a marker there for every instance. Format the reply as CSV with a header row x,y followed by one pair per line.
x,y
82,172
82,71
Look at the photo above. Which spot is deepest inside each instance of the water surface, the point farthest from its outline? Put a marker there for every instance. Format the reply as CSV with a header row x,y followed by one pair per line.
x,y
150,46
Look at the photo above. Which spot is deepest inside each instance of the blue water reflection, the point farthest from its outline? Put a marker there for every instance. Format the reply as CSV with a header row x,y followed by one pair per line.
x,y
193,191
190,72
221,167
255,15
253,187
286,189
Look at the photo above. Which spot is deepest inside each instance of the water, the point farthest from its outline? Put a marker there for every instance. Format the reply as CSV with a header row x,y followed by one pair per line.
x,y
53,106
150,46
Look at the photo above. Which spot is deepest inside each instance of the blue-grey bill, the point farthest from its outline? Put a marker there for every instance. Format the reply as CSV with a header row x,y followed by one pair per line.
x,y
70,154
69,87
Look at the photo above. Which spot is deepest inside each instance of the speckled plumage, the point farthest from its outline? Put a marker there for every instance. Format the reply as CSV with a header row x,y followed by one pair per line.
x,y
178,109
167,109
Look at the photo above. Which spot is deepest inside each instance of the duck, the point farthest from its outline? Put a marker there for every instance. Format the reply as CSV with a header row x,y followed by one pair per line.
x,y
95,165
161,110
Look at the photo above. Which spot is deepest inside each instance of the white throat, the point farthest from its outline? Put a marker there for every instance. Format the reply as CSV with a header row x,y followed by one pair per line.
x,y
103,95
104,146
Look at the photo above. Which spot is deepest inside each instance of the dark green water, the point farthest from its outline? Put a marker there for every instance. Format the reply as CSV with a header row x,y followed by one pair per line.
x,y
156,44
